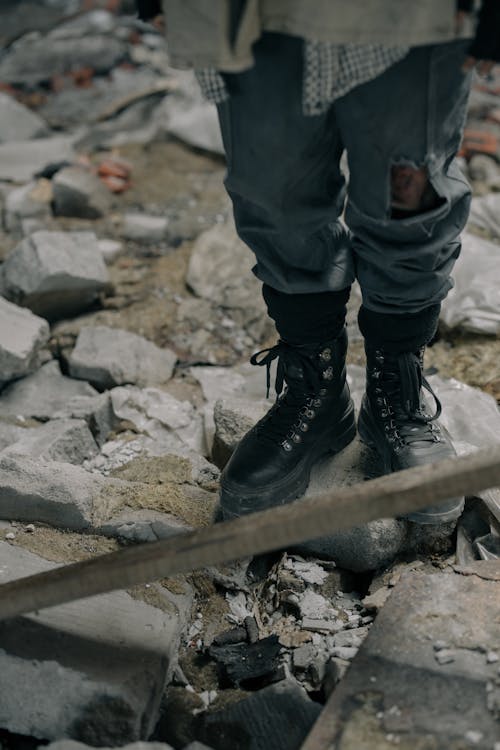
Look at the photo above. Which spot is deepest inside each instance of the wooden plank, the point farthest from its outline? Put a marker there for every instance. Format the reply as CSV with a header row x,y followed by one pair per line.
x,y
276,528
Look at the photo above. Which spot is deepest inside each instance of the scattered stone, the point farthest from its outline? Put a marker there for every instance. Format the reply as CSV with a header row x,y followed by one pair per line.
x,y
107,357
31,60
43,394
483,168
440,645
30,528
276,718
252,629
335,670
345,652
96,410
233,418
21,160
17,122
143,526
377,600
303,656
29,202
492,657
249,666
473,736
55,273
220,269
350,638
110,249
10,536
143,228
320,626
397,656
445,656
85,670
23,336
79,193
67,440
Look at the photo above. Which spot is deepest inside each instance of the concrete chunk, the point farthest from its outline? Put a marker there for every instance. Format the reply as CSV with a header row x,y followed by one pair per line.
x,y
22,338
54,273
77,192
17,122
108,357
95,410
42,394
29,202
20,160
143,228
67,440
395,685
92,670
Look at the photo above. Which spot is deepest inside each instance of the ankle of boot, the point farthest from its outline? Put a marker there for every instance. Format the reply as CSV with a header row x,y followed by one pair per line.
x,y
307,318
398,333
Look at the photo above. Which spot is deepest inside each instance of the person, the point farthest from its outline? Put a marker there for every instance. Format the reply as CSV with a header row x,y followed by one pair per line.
x,y
296,84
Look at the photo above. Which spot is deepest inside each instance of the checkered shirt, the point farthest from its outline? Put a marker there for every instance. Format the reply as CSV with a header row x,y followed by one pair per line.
x,y
330,71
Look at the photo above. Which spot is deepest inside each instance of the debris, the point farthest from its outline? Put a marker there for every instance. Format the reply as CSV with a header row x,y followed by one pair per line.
x,y
233,418
67,440
54,273
249,666
31,201
230,637
252,629
110,249
21,160
17,122
79,193
144,228
445,656
23,338
478,142
107,357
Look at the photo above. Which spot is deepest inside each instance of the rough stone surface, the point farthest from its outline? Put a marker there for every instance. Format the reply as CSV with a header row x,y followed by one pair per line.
x,y
108,357
92,670
111,250
95,410
275,718
31,61
20,160
67,440
54,273
29,202
396,687
233,418
220,269
22,338
43,394
77,192
144,228
143,526
17,122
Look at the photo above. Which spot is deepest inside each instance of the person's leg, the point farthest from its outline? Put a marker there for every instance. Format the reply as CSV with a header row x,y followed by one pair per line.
x,y
288,192
408,203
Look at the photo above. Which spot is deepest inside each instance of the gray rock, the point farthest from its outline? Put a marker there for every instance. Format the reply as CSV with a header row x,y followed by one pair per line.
x,y
55,274
110,249
42,394
483,168
275,718
220,269
77,192
143,228
32,201
96,410
92,670
22,338
17,122
108,357
67,440
143,526
31,61
11,433
233,418
20,160
394,685
47,491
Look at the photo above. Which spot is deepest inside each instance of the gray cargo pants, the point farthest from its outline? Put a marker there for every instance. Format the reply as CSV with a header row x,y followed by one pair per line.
x,y
288,191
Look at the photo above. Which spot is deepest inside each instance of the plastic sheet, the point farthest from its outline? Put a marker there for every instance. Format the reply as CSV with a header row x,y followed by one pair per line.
x,y
474,302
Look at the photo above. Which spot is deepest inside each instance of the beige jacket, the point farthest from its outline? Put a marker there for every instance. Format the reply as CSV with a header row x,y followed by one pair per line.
x,y
198,30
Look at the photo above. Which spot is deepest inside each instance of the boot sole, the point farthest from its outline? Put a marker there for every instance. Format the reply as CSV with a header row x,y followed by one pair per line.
x,y
234,503
424,518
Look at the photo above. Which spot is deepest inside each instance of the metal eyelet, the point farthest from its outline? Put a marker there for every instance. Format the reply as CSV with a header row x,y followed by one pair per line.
x,y
328,373
296,438
323,392
325,355
310,414
304,426
317,402
286,445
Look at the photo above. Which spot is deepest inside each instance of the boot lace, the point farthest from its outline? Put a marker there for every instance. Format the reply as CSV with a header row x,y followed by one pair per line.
x,y
398,396
295,406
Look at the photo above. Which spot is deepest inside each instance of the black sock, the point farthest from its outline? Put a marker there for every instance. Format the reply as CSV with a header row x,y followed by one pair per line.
x,y
398,333
307,318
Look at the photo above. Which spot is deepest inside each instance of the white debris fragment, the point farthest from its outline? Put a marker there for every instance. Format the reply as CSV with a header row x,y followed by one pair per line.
x,y
308,571
444,656
238,606
10,536
492,657
473,736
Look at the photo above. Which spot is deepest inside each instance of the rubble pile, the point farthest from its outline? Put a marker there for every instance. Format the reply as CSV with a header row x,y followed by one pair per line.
x,y
128,311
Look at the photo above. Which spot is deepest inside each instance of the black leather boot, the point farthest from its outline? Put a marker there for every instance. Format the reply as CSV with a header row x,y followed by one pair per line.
x,y
313,416
394,421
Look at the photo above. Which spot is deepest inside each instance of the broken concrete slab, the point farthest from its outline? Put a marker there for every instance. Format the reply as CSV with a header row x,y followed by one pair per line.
x,y
143,525
95,410
17,122
44,394
92,670
66,440
23,338
396,687
277,717
79,193
55,273
21,160
144,228
108,357
233,418
31,201
111,250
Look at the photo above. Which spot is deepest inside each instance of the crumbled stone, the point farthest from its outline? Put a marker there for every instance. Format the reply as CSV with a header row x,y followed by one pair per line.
x,y
23,337
473,736
345,652
21,160
96,410
17,122
492,657
233,418
10,536
54,273
248,666
110,249
67,440
444,656
79,193
107,357
143,228
320,626
29,202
